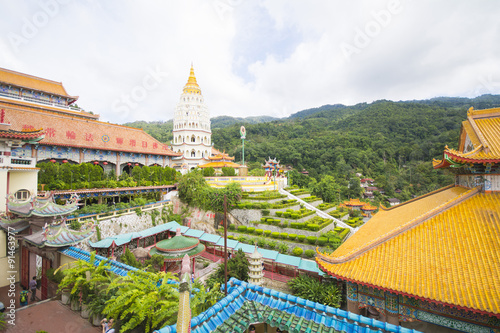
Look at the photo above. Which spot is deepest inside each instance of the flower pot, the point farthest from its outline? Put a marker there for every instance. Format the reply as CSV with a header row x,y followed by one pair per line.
x,y
85,311
96,319
65,296
75,305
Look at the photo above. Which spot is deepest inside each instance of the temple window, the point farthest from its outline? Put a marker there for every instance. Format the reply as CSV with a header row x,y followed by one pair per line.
x,y
193,154
23,195
193,139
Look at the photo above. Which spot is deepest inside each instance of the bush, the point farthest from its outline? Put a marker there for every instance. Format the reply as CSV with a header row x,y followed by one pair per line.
x,y
242,239
267,233
258,231
297,251
279,214
272,245
232,227
312,239
242,228
309,253
322,241
292,236
276,222
250,230
263,219
230,237
294,216
265,212
286,214
301,238
275,234
283,235
313,227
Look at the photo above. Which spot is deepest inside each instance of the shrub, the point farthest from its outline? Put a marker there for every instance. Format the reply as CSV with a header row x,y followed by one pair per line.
x,y
267,233
292,236
258,231
294,216
265,212
283,235
261,242
230,237
301,238
232,227
276,222
272,245
286,214
279,214
242,228
311,239
322,241
263,219
309,253
275,234
297,251
242,239
313,227
250,230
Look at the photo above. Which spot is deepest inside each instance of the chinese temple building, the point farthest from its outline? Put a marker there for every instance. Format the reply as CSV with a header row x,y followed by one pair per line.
x,y
220,160
192,136
29,103
434,259
176,248
272,166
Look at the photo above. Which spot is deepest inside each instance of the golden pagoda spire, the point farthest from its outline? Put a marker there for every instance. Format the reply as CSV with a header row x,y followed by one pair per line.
x,y
192,86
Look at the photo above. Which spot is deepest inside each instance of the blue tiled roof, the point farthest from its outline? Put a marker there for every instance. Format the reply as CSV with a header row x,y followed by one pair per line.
x,y
288,260
231,243
210,238
309,265
247,303
247,248
116,267
268,254
194,233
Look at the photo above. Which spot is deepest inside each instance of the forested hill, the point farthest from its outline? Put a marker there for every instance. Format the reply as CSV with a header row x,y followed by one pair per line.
x,y
392,142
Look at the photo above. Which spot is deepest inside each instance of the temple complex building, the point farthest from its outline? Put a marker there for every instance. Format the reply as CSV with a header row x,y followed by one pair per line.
x,y
192,136
434,260
72,135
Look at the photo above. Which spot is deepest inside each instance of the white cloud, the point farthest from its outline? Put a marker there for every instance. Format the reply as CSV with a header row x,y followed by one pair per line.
x,y
253,58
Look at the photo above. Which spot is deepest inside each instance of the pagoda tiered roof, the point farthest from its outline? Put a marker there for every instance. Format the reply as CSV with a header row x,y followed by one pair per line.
x,y
221,157
442,247
479,141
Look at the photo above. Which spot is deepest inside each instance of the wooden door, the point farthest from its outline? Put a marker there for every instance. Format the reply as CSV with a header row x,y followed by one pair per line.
x,y
46,264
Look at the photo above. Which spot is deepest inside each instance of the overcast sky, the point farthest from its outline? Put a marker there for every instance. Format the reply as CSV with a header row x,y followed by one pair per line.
x,y
129,60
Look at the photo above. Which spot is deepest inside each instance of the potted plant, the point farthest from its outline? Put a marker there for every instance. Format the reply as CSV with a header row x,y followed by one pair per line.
x,y
96,305
53,280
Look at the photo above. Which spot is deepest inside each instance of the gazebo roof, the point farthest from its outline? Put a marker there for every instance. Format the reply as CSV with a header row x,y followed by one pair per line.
x,y
174,249
178,255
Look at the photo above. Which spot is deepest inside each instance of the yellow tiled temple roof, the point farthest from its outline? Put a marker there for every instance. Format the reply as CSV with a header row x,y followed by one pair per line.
x,y
216,165
482,127
33,82
221,156
451,256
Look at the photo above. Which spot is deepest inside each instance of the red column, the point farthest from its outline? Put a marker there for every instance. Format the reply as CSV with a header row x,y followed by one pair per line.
x,y
193,267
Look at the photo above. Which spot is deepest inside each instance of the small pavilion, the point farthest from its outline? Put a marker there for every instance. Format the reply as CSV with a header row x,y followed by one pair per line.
x,y
174,249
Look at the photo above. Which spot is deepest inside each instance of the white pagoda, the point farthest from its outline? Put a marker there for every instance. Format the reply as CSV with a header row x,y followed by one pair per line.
x,y
192,135
255,272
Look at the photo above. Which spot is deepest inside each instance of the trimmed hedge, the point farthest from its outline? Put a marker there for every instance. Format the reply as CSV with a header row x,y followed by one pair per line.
x,y
301,238
250,230
311,239
267,233
275,234
297,251
292,236
232,227
242,228
310,253
259,231
278,214
322,241
265,212
283,235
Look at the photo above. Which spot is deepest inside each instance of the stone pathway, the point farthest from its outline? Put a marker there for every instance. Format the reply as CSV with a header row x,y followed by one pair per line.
x,y
319,212
51,316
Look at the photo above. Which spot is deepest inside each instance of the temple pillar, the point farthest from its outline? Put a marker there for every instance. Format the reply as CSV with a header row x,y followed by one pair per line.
x,y
352,298
193,266
117,165
392,308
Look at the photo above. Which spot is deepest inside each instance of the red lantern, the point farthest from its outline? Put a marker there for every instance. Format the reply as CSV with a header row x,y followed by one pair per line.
x,y
65,161
105,163
95,162
129,164
53,161
136,164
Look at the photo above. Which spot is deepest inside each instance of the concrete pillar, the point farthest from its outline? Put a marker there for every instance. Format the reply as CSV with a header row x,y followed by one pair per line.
x,y
117,166
352,298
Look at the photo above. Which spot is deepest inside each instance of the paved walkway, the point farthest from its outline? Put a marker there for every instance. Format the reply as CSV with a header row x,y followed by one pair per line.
x,y
51,316
319,211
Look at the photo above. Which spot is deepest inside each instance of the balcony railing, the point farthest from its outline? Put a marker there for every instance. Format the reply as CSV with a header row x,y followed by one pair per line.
x,y
39,101
15,162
